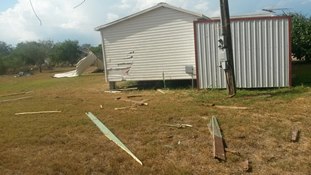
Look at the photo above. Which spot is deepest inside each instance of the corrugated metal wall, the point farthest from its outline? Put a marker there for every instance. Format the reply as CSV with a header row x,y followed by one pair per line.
x,y
261,51
143,47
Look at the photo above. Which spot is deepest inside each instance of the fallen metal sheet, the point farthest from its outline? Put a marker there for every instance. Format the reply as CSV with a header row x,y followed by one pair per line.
x,y
15,99
110,135
38,112
219,148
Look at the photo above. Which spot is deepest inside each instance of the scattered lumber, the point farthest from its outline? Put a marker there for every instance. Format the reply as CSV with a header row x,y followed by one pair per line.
x,y
15,94
231,107
228,107
111,136
159,90
15,99
295,135
113,92
38,112
140,103
126,107
179,125
218,142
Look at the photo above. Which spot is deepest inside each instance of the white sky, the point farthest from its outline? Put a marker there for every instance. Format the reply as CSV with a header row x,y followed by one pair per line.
x,y
61,21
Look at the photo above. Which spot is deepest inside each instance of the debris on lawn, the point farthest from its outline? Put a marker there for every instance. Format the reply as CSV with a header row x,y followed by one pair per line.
x,y
38,112
140,103
232,151
159,90
295,135
101,106
228,107
179,125
218,142
15,94
111,136
126,107
169,146
246,166
113,92
15,99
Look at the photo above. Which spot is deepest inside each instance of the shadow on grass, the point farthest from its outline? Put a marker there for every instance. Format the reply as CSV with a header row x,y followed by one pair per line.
x,y
170,84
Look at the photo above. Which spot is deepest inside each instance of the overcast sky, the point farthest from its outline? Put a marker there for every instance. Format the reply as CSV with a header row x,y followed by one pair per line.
x,y
61,21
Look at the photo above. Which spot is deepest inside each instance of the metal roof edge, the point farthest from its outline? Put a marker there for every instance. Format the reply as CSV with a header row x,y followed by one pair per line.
x,y
161,4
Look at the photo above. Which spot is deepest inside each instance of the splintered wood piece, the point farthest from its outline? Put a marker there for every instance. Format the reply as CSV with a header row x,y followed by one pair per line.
x,y
15,94
179,125
231,107
15,99
295,133
159,90
141,103
38,112
218,143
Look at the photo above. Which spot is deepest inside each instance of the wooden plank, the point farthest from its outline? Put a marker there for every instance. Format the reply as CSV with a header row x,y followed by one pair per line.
x,y
219,148
111,136
159,90
179,125
218,143
15,99
38,112
231,107
15,94
141,103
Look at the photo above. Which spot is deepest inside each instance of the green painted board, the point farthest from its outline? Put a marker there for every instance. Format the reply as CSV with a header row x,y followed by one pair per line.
x,y
110,135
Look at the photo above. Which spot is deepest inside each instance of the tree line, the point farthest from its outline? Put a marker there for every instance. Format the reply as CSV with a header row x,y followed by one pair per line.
x,y
39,54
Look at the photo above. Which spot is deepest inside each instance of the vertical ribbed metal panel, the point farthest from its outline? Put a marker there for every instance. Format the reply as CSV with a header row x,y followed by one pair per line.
x,y
261,51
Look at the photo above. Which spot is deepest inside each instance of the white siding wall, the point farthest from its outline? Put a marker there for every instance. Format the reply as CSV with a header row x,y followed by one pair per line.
x,y
162,41
261,51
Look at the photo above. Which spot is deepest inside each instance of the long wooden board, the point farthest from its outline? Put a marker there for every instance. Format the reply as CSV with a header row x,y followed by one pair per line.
x,y
218,143
111,136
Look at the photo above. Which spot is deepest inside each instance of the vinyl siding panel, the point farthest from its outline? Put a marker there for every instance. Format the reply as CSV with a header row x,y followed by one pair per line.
x,y
144,47
261,52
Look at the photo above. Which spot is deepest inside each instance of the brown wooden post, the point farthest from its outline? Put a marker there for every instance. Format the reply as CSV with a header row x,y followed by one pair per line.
x,y
227,45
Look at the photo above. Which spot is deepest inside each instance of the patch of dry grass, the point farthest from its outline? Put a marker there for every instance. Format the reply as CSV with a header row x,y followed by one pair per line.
x,y
69,143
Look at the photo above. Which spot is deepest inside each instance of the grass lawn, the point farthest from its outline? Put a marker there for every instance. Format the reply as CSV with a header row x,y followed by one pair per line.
x,y
69,143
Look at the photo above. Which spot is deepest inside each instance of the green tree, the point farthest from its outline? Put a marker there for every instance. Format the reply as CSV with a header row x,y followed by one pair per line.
x,y
66,52
31,53
97,51
301,36
5,50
